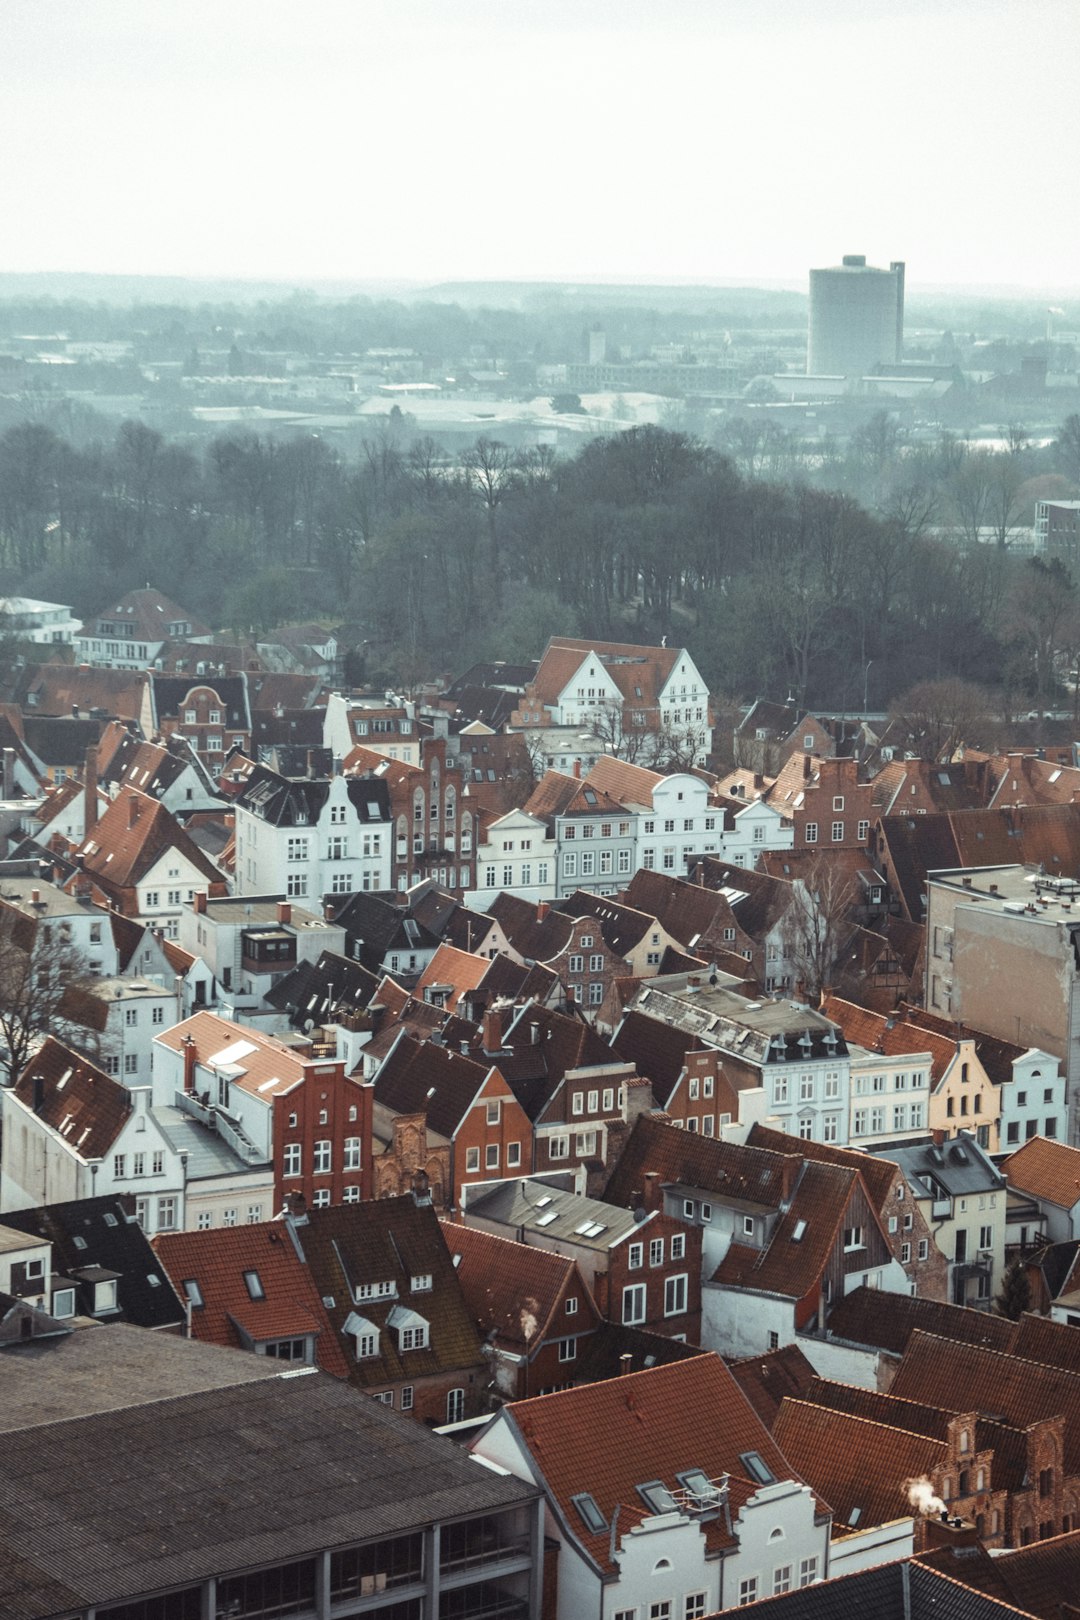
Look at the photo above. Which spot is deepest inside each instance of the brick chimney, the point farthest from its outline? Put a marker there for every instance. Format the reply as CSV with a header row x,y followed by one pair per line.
x,y
652,1198
133,809
284,912
944,1530
542,909
200,901
494,1029
577,770
187,1046
807,761
90,789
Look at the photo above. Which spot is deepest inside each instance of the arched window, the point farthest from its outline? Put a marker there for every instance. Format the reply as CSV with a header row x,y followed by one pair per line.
x,y
965,1440
660,1565
777,1534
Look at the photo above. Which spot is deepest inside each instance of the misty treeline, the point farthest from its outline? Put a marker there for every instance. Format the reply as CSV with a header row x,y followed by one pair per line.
x,y
432,560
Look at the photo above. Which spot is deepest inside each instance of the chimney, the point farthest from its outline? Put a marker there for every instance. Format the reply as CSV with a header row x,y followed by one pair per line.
x,y
39,1093
759,781
133,809
90,789
942,1530
542,909
939,1137
35,897
652,1197
493,1029
806,767
200,902
296,1208
284,912
966,882
329,911
577,770
188,1048
626,1361
993,888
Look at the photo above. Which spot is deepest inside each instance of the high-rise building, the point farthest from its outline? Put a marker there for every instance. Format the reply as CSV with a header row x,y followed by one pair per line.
x,y
856,318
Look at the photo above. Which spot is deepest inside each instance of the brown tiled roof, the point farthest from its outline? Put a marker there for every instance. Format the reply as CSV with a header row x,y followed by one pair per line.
x,y
1030,834
460,970
691,914
917,785
623,782
601,1354
622,926
559,795
1037,1338
537,939
80,1102
608,1438
1041,1580
390,1240
767,1379
269,1068
60,688
1047,1170
658,1049
131,835
515,1291
418,1077
149,614
1027,779
858,1466
217,1261
946,1373
879,1174
753,1176
859,1319
789,1265
766,898
878,1033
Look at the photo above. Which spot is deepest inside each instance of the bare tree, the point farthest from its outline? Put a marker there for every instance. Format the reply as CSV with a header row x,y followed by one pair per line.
x,y
44,983
940,715
818,920
620,736
490,470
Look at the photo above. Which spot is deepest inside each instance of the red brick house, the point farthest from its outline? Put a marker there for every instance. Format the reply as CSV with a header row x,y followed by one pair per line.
x,y
828,805
305,1115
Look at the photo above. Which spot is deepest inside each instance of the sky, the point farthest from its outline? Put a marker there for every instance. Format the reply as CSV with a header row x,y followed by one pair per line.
x,y
427,140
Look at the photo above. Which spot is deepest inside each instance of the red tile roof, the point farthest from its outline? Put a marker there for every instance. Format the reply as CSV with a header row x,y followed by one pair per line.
x,y
217,1260
801,1242
608,1438
515,1291
460,970
1047,1170
767,1379
131,836
858,1466
82,1104
623,782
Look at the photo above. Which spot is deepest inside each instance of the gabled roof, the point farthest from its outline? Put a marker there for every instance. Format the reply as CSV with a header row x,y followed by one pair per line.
x,y
76,1099
88,1234
320,991
458,971
858,1466
658,1049
559,795
63,688
879,1174
945,1373
1049,1171
419,1077
693,915
752,1176
390,1240
622,782
602,1354
802,1240
766,1380
296,801
877,1033
640,673
607,1439
258,1063
377,923
225,1313
859,1319
1041,1580
622,926
129,839
515,1292
762,900
537,938
533,1068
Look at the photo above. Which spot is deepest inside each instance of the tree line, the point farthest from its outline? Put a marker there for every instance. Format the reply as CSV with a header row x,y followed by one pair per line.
x,y
833,585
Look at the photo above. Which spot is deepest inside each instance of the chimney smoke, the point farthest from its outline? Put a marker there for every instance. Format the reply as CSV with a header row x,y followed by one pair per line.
x,y
922,1496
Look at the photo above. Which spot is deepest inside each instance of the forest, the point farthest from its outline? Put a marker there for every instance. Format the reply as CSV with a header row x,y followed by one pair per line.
x,y
839,572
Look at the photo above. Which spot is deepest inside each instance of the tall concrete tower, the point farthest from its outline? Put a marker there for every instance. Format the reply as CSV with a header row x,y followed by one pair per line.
x,y
856,318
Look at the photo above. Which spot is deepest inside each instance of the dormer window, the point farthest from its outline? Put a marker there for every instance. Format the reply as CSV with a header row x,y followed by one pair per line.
x,y
420,1284
411,1329
376,1290
364,1334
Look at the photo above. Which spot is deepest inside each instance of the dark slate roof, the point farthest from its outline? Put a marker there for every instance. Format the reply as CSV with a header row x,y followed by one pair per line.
x,y
1043,1579
658,1049
286,801
601,1354
60,739
322,990
766,1379
376,923
754,1176
90,1232
169,692
419,1077
100,1507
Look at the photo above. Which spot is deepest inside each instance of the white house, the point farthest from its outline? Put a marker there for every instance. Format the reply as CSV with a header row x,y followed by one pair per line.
x,y
44,623
516,853
306,838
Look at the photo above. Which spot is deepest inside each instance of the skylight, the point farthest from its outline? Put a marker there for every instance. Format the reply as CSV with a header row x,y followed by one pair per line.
x,y
193,1292
797,1234
591,1516
254,1285
656,1496
757,1468
547,1218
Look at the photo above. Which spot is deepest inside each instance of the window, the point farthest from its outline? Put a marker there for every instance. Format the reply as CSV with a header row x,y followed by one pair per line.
x,y
455,1405
694,1606
407,1398
351,1158
678,1246
633,1305
131,1016
781,1581
166,1214
636,1256
567,1349
924,1248
596,993
157,1015
571,1306
675,1295
491,1156
808,1568
296,885
558,1147
656,1251
810,833
118,1166
157,1163
513,1155
415,1337
494,1111
853,1237
748,1591
838,832
321,1158
472,1160
291,1161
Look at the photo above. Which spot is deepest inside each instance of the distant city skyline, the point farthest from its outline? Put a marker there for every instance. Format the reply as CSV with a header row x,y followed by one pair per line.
x,y
526,140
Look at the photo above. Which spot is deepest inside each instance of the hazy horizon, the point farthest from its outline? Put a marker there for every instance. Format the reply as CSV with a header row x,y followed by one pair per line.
x,y
618,141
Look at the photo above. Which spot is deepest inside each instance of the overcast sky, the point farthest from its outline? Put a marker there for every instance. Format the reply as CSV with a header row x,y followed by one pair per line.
x,y
533,139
